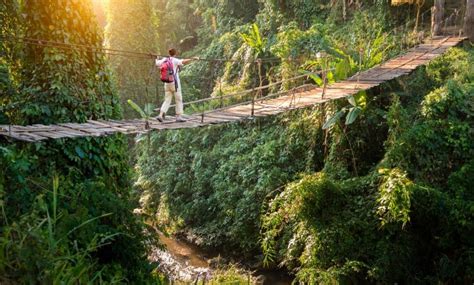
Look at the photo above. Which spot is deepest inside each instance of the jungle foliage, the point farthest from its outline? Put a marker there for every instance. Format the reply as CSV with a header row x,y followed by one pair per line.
x,y
374,190
65,205
386,199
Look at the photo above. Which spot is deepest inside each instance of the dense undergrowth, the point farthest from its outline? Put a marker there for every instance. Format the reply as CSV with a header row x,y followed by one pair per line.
x,y
285,188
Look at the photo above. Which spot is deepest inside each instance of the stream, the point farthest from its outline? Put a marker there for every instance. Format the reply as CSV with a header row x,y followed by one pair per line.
x,y
184,263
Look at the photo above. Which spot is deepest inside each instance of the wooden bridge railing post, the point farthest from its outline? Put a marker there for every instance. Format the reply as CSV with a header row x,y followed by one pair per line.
x,y
361,55
252,111
260,78
324,64
220,93
255,90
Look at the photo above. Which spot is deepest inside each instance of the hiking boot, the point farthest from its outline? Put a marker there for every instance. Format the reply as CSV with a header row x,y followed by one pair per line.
x,y
180,120
160,119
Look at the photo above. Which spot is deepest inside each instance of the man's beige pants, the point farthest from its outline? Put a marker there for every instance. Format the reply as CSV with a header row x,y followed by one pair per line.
x,y
170,90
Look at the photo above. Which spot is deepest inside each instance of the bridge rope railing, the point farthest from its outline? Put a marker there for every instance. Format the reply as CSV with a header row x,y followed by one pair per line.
x,y
115,52
243,92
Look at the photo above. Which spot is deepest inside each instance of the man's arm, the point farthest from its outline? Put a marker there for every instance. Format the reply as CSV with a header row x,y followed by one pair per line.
x,y
158,61
188,60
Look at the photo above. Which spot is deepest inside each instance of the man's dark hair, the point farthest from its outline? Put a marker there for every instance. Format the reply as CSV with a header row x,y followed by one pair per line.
x,y
172,52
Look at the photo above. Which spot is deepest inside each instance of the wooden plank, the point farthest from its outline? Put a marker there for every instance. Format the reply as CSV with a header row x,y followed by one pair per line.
x,y
68,134
224,116
21,137
51,135
34,137
19,128
268,112
108,130
110,123
74,126
71,134
229,114
98,123
212,120
71,131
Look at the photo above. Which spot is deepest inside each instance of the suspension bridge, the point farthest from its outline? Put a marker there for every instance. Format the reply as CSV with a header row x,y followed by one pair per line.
x,y
259,106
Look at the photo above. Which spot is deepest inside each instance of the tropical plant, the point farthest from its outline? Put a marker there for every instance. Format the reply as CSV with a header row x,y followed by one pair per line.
x,y
37,247
52,84
357,105
254,40
145,113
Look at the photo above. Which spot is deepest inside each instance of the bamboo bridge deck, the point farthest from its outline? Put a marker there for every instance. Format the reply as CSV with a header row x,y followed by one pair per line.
x,y
299,98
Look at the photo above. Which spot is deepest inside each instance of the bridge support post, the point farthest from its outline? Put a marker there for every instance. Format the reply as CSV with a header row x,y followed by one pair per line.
x,y
220,93
325,83
252,111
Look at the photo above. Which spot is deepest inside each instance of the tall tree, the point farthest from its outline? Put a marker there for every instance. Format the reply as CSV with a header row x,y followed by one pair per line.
x,y
9,11
437,15
469,20
132,26
65,82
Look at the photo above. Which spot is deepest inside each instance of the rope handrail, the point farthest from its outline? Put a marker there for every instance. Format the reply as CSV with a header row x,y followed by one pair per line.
x,y
118,52
248,102
243,92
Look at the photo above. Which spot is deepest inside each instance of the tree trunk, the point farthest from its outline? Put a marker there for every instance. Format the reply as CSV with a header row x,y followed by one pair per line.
x,y
437,15
344,10
469,20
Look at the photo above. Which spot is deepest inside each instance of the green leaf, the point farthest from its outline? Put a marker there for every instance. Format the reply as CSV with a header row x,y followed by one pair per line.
x,y
329,123
313,76
330,77
352,101
149,109
352,115
361,99
343,69
137,108
256,33
79,152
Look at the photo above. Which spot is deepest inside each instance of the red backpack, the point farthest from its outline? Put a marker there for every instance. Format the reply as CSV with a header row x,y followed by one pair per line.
x,y
167,74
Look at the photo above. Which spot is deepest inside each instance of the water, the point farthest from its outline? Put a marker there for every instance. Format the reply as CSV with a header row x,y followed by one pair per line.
x,y
180,261
185,262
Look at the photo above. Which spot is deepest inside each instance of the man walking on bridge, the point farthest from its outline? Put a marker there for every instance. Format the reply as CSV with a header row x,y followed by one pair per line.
x,y
172,83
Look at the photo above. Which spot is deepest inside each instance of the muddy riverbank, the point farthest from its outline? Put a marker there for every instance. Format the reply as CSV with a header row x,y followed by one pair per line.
x,y
185,263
